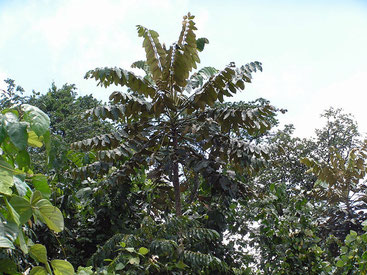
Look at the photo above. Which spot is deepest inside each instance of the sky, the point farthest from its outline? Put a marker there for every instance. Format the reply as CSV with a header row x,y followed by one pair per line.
x,y
314,53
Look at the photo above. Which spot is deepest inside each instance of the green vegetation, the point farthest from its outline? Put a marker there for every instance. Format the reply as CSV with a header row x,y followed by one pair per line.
x,y
168,178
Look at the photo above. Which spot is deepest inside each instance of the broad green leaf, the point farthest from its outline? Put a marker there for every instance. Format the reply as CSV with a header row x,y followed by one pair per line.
x,y
119,266
22,188
22,243
13,214
39,253
34,140
38,270
38,120
134,260
6,177
17,132
40,183
23,160
36,196
8,266
143,250
130,249
50,214
8,234
340,263
61,267
23,208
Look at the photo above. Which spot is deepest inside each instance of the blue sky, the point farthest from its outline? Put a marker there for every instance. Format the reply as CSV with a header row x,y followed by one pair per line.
x,y
313,52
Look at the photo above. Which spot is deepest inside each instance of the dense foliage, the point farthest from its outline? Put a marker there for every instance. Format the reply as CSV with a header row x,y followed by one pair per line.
x,y
168,178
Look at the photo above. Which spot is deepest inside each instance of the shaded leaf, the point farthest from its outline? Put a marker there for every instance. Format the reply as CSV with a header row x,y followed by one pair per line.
x,y
39,253
61,267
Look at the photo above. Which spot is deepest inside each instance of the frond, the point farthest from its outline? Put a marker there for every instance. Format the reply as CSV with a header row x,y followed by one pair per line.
x,y
133,108
199,78
144,66
182,56
204,261
237,119
156,56
163,247
187,42
106,251
224,83
107,141
93,170
107,76
200,234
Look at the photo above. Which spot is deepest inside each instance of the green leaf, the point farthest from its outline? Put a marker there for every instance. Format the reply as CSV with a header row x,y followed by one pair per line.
x,y
134,260
200,43
23,208
17,132
36,196
6,178
50,214
38,120
8,234
130,249
8,266
143,250
13,214
340,263
120,266
23,160
181,265
38,270
22,243
34,140
62,267
39,253
40,183
21,186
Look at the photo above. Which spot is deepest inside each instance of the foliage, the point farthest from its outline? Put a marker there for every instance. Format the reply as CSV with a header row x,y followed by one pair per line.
x,y
24,195
180,244
168,178
65,110
353,254
285,234
12,96
340,132
340,184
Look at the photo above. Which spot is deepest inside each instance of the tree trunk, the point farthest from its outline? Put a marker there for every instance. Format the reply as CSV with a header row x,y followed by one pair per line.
x,y
176,180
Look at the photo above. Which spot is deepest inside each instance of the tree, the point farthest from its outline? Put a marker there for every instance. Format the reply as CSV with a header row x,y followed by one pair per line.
x,y
340,185
171,125
12,96
25,195
177,133
64,107
340,132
